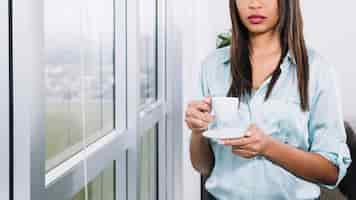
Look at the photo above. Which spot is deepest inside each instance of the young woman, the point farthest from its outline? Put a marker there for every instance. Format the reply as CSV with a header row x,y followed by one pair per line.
x,y
295,138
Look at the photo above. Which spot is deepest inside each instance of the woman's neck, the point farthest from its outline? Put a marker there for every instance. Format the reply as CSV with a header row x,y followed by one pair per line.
x,y
265,43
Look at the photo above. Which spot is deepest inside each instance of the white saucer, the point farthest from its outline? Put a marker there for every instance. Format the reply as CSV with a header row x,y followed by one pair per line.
x,y
224,133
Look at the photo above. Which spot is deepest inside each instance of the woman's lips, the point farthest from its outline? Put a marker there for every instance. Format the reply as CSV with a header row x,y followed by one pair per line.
x,y
256,19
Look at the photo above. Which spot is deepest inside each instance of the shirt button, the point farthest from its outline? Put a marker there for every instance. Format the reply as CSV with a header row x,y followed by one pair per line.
x,y
346,160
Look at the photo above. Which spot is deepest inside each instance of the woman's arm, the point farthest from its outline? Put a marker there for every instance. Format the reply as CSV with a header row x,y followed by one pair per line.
x,y
201,155
308,165
198,118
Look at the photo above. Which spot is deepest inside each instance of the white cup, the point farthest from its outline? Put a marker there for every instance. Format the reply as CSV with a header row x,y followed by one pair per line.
x,y
225,110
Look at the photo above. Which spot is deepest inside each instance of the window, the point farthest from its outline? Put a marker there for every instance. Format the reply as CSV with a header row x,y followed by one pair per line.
x,y
148,44
77,70
79,44
152,104
101,188
148,165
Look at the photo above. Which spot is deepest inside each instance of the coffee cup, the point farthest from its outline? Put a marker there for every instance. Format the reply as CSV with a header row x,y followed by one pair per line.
x,y
225,110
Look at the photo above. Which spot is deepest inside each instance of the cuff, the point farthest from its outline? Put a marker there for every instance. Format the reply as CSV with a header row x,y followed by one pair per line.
x,y
341,160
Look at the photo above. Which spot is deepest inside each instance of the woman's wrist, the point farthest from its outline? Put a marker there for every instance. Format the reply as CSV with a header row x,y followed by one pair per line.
x,y
198,139
269,150
198,135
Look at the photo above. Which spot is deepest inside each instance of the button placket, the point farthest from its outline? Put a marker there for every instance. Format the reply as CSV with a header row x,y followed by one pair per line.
x,y
256,98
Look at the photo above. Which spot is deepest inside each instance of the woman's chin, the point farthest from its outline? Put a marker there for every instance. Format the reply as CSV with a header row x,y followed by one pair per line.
x,y
258,30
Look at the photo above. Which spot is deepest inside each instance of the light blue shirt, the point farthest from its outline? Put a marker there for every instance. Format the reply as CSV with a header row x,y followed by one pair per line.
x,y
319,130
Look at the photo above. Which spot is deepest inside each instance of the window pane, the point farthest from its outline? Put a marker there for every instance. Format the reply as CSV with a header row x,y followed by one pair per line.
x,y
82,37
148,25
99,58
62,80
148,166
101,188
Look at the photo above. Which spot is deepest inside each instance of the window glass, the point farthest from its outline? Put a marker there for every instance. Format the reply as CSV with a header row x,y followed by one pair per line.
x,y
101,188
148,165
77,37
148,61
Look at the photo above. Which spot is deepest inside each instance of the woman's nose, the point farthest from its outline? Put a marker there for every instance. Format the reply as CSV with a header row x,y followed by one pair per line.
x,y
255,4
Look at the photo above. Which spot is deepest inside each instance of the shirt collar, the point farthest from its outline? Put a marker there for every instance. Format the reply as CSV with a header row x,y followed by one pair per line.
x,y
289,57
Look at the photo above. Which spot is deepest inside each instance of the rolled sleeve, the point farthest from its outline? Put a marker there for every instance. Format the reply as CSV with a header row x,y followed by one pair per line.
x,y
326,126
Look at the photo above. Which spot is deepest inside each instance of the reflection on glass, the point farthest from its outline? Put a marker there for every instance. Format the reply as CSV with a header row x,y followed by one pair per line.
x,y
101,188
81,37
148,25
148,166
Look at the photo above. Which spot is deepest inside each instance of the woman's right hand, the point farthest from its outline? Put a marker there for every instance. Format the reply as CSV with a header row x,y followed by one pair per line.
x,y
197,115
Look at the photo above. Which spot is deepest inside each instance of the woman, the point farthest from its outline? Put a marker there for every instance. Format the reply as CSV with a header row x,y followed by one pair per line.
x,y
295,137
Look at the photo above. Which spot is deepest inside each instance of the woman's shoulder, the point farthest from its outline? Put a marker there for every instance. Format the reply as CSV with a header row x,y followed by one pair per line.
x,y
320,66
323,75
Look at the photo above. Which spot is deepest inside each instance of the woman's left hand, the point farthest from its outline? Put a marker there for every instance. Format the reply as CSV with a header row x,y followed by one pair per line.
x,y
254,143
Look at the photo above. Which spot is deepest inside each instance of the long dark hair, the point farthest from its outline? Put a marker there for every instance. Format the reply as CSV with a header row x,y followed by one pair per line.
x,y
290,29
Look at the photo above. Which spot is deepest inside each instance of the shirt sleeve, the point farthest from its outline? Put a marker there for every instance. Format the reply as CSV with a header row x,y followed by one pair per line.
x,y
202,82
326,126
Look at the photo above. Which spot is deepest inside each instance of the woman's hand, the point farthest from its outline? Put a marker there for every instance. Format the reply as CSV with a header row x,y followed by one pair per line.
x,y
197,115
254,143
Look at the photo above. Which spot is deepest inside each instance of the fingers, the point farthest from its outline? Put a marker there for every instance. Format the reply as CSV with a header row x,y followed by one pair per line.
x,y
198,124
204,105
192,113
244,153
239,142
248,147
248,138
198,115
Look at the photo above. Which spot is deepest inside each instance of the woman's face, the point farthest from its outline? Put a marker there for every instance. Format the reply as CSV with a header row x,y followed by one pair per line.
x,y
258,16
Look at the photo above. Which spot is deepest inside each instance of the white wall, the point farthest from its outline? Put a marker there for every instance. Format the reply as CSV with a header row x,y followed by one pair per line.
x,y
199,21
328,27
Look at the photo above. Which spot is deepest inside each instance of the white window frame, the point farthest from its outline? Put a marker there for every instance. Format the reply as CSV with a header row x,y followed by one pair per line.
x,y
155,114
66,180
122,145
4,101
167,110
174,95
